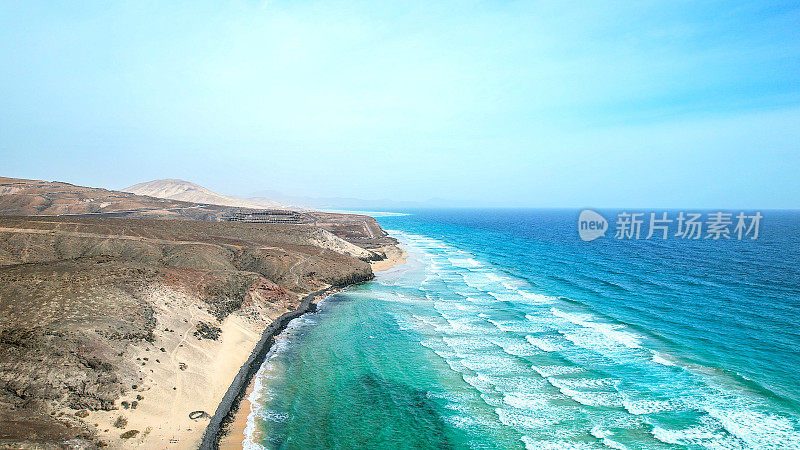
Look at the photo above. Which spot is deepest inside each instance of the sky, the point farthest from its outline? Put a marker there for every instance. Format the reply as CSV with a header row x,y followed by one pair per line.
x,y
674,104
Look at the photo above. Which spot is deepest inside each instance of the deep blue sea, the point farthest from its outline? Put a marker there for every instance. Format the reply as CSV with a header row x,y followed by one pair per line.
x,y
506,330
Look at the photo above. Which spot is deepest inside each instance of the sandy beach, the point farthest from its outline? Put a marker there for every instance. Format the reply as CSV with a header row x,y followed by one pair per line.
x,y
185,375
395,256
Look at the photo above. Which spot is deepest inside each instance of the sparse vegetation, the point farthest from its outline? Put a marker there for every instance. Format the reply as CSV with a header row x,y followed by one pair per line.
x,y
207,331
228,296
129,434
121,422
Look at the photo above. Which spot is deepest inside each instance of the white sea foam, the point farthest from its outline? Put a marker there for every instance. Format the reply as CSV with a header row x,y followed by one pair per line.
x,y
513,346
695,436
445,354
434,344
660,358
600,432
430,322
272,416
605,437
543,343
467,345
447,309
476,279
464,262
404,324
646,406
542,321
529,401
758,429
466,307
456,365
589,398
512,296
518,419
462,326
585,383
492,399
479,382
493,277
456,310
515,326
536,298
476,299
539,444
454,402
613,332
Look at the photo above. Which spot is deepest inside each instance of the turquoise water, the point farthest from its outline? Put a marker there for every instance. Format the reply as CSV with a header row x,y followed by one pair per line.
x,y
504,330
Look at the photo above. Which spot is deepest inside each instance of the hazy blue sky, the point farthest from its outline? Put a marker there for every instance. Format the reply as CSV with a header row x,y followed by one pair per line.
x,y
554,103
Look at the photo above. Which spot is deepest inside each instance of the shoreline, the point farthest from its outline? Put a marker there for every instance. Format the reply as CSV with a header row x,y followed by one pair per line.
x,y
230,403
395,256
232,433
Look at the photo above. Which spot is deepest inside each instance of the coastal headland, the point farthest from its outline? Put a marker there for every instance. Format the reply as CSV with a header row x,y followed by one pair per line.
x,y
122,328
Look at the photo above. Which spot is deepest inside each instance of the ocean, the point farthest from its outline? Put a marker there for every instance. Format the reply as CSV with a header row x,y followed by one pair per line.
x,y
506,330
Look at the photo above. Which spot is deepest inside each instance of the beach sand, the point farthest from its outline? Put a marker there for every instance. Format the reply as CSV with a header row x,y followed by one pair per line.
x,y
190,374
395,256
235,434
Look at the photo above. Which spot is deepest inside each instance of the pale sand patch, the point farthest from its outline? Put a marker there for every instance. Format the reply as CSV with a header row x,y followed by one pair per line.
x,y
395,256
169,393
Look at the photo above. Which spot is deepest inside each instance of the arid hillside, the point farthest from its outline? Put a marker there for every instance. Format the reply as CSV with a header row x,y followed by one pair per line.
x,y
99,314
34,197
20,197
121,328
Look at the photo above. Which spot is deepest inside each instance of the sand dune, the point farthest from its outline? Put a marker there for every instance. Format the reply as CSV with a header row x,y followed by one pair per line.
x,y
186,191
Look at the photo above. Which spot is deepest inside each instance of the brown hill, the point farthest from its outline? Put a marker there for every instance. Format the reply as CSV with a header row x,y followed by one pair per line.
x,y
52,198
98,314
35,197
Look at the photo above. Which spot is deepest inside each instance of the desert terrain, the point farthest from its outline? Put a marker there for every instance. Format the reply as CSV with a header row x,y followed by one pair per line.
x,y
122,328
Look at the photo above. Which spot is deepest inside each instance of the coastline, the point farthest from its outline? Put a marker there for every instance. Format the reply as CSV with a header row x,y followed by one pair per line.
x,y
228,406
232,433
128,329
395,256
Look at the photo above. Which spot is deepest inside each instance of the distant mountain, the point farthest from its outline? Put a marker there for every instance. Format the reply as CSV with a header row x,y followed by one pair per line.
x,y
174,189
